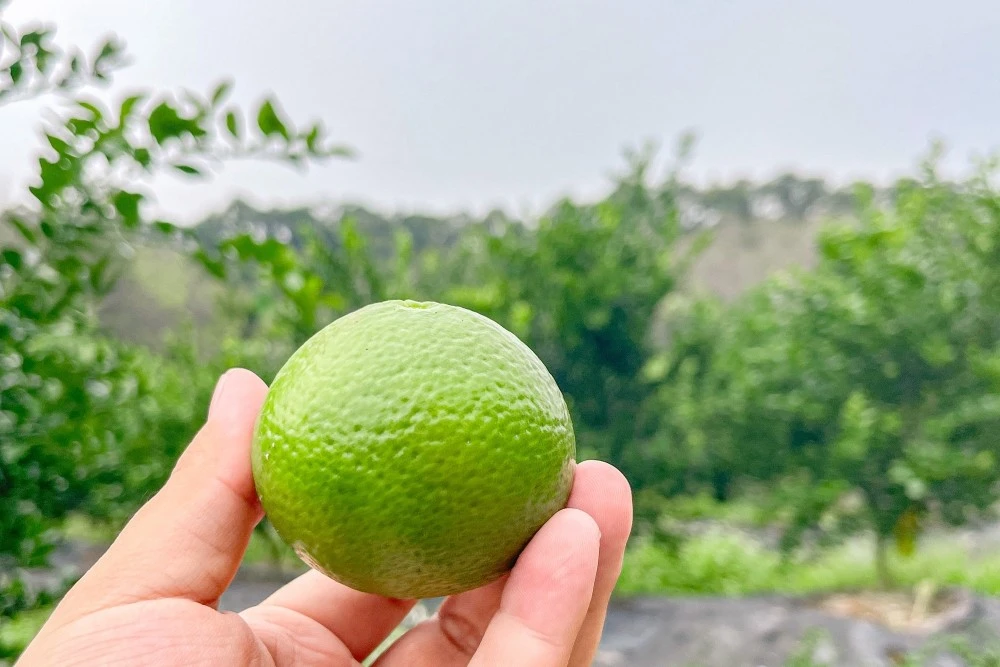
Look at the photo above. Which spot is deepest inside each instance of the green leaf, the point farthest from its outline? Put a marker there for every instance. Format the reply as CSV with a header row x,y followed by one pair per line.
x,y
80,126
95,112
98,271
312,139
187,169
16,70
221,91
232,124
912,276
22,227
33,38
244,245
937,351
271,251
128,106
58,145
214,266
42,59
55,177
656,368
269,122
12,257
110,51
143,157
165,227
127,205
166,123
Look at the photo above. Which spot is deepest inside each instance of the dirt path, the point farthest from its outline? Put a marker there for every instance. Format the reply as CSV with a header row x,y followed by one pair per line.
x,y
712,632
687,632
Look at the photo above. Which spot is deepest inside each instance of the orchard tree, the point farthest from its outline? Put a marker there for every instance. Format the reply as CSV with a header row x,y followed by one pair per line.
x,y
673,456
286,292
581,289
867,392
798,196
735,201
74,405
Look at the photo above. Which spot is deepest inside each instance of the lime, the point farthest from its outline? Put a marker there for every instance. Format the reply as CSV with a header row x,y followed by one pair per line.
x,y
412,449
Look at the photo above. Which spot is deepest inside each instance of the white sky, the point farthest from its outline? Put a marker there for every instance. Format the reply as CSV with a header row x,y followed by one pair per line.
x,y
456,104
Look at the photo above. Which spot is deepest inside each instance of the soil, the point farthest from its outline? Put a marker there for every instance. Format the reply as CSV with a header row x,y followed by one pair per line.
x,y
923,611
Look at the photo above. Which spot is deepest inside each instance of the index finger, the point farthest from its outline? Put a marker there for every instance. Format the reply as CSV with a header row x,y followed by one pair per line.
x,y
187,541
546,597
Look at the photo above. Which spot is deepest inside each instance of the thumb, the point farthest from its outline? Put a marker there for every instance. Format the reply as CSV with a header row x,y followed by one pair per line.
x,y
188,540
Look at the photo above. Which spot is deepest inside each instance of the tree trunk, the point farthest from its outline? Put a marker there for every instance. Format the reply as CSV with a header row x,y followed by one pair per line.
x,y
721,480
882,570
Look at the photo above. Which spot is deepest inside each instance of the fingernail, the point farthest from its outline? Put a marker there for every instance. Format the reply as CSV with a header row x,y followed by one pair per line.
x,y
220,387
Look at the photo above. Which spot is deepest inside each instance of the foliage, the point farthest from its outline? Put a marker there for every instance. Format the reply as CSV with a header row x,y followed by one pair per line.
x,y
16,634
581,289
726,561
291,291
87,423
33,65
866,391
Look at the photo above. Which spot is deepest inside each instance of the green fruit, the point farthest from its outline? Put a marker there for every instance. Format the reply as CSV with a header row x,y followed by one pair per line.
x,y
412,449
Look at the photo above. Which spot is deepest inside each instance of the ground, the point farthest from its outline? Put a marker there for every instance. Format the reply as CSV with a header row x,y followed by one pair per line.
x,y
833,630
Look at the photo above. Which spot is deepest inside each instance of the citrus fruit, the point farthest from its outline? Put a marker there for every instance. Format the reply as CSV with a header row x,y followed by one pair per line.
x,y
412,449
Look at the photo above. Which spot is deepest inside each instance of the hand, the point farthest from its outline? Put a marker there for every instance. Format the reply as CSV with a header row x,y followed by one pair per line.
x,y
153,597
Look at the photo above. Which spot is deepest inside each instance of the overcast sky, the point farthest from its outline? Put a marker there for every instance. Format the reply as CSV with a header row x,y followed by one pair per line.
x,y
457,104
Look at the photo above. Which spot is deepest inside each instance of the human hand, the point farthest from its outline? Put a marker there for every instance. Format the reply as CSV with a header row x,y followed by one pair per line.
x,y
153,597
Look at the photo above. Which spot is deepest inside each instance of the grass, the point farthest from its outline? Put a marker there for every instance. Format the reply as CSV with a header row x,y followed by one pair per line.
x,y
717,562
748,511
84,529
728,564
15,634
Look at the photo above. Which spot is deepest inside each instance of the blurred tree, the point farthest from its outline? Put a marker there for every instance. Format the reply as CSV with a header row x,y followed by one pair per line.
x,y
735,201
874,377
798,195
291,290
581,289
842,201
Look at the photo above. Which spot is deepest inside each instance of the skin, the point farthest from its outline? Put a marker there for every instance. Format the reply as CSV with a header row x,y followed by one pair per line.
x,y
153,597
